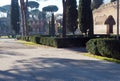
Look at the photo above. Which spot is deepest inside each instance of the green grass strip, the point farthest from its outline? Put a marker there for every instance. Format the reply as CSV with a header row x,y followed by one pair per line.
x,y
27,43
103,58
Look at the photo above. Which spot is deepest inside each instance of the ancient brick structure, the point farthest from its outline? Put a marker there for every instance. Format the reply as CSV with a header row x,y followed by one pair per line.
x,y
101,14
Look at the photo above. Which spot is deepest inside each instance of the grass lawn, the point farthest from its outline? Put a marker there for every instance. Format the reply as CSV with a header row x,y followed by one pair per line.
x,y
27,43
103,58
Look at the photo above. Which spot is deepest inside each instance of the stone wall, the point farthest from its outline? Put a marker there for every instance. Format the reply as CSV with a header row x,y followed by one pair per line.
x,y
101,14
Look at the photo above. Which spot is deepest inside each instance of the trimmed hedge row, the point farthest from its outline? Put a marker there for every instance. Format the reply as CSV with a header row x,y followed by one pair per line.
x,y
104,47
57,41
64,42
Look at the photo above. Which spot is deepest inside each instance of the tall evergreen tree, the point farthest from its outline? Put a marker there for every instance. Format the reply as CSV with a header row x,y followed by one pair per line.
x,y
113,0
85,17
64,19
15,16
71,15
96,3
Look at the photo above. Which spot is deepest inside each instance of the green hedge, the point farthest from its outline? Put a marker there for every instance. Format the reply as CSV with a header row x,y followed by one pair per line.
x,y
104,47
91,46
58,42
64,42
35,39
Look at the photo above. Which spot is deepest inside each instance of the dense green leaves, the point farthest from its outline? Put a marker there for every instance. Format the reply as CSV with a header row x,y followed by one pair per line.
x,y
2,9
85,17
96,3
15,16
113,0
71,15
33,4
50,8
104,47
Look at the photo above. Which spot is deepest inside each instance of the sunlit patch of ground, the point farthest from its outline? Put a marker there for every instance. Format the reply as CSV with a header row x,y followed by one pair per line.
x,y
103,58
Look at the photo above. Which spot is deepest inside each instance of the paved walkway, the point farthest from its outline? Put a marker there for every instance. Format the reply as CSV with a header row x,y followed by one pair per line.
x,y
24,63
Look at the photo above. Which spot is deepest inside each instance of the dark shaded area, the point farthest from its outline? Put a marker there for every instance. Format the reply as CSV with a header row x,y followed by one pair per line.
x,y
110,21
80,49
59,69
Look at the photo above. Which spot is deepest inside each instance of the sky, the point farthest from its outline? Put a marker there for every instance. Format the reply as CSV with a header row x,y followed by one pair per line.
x,y
42,3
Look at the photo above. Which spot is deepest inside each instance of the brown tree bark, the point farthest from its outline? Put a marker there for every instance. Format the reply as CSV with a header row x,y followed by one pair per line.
x,y
23,19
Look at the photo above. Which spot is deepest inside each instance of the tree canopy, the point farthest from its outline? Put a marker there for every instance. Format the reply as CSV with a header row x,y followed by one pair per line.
x,y
50,8
2,9
15,16
96,3
85,16
113,0
71,15
33,4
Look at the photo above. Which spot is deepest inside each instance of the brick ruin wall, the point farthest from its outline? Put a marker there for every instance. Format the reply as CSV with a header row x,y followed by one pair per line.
x,y
101,14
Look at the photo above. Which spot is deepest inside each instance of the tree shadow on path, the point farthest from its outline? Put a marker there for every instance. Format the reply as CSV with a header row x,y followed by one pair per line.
x,y
60,69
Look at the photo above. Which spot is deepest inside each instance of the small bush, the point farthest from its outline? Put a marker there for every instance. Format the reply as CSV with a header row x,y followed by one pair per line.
x,y
103,47
91,46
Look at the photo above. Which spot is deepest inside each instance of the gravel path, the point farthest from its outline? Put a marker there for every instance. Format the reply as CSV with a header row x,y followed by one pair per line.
x,y
27,63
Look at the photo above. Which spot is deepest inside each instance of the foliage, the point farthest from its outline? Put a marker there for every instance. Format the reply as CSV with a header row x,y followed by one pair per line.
x,y
34,13
113,0
2,9
15,16
7,9
71,16
96,4
91,46
52,25
57,41
105,47
50,8
33,4
35,39
85,17
64,19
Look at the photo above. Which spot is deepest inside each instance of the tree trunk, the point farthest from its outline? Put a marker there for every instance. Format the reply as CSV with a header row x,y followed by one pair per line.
x,y
64,19
23,20
26,17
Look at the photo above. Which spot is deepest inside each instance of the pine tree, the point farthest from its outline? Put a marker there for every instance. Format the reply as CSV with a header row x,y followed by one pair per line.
x,y
96,4
85,17
71,15
15,16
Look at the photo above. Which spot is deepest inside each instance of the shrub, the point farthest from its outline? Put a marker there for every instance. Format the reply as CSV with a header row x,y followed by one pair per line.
x,y
91,46
112,48
64,42
35,39
105,47
49,41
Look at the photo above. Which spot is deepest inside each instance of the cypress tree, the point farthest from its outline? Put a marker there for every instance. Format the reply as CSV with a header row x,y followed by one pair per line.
x,y
52,25
15,16
113,0
85,17
96,3
71,15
